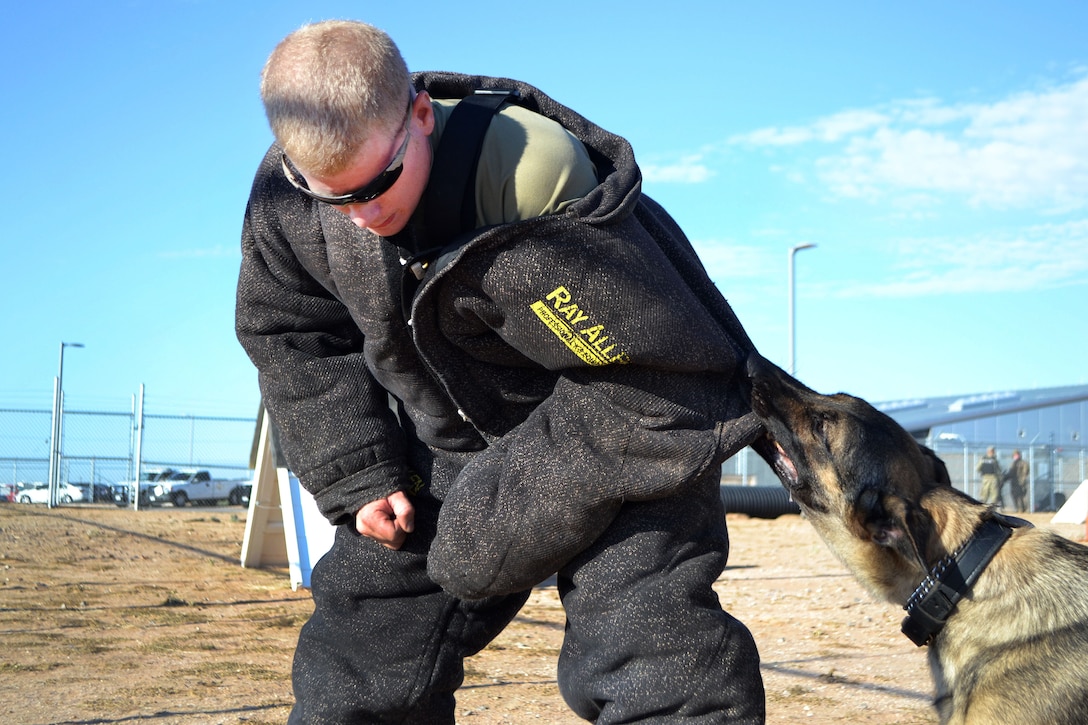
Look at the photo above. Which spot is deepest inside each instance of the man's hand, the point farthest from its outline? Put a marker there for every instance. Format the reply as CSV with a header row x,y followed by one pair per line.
x,y
388,520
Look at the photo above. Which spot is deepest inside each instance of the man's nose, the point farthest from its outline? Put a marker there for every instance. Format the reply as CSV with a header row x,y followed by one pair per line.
x,y
361,214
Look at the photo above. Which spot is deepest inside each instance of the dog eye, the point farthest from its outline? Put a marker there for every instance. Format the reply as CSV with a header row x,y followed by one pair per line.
x,y
821,425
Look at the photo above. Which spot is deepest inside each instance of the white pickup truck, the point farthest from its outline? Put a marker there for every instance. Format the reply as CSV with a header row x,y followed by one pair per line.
x,y
154,488
201,488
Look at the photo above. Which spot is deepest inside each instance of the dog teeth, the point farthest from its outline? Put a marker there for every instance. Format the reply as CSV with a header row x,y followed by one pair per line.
x,y
787,464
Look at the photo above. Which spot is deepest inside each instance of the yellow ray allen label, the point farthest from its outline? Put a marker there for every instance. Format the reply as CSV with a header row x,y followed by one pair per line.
x,y
572,324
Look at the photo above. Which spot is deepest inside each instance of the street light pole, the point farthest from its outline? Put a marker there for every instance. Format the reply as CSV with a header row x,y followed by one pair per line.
x,y
793,306
57,432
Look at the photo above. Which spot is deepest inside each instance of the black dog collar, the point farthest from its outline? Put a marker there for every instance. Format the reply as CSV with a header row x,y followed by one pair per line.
x,y
932,603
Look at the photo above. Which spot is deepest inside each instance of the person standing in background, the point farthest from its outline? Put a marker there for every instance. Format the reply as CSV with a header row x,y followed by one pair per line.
x,y
989,469
1019,478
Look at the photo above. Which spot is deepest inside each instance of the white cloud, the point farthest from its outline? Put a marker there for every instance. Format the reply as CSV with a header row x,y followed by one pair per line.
x,y
790,136
1034,258
828,130
216,252
727,260
1044,256
1029,150
689,170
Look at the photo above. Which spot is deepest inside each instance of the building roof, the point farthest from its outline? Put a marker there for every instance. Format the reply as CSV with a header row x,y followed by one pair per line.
x,y
922,414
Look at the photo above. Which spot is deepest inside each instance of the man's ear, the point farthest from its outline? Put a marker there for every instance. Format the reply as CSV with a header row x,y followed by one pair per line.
x,y
424,112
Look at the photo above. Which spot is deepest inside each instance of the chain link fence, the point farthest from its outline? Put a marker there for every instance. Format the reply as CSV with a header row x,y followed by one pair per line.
x,y
101,448
1055,471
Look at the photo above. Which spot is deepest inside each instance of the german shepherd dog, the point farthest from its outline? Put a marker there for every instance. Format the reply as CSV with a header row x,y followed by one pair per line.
x,y
1002,606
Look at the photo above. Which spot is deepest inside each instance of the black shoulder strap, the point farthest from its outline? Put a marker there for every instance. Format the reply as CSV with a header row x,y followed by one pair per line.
x,y
450,201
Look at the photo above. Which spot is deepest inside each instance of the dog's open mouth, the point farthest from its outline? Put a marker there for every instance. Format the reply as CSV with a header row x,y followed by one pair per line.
x,y
773,395
783,466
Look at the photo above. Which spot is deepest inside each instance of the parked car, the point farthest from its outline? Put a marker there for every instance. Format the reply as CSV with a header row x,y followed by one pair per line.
x,y
200,487
154,488
96,493
39,493
7,492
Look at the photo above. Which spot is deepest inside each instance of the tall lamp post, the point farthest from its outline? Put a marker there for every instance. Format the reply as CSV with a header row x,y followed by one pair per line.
x,y
793,306
55,436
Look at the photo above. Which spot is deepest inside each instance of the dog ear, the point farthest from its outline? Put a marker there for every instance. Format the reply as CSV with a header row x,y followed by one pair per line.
x,y
894,523
939,472
920,531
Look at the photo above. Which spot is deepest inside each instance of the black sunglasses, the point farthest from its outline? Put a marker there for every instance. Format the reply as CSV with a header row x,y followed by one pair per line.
x,y
368,192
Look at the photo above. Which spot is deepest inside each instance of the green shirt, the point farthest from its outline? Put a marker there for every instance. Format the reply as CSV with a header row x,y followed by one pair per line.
x,y
530,165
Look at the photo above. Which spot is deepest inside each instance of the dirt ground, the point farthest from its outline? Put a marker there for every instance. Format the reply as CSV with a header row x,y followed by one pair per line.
x,y
113,616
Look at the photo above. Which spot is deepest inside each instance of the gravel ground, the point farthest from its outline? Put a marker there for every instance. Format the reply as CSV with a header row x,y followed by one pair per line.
x,y
114,616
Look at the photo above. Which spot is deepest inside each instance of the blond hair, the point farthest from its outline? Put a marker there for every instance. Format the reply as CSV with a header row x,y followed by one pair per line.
x,y
327,86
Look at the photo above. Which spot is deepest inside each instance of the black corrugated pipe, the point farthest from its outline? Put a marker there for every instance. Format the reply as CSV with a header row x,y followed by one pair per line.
x,y
760,502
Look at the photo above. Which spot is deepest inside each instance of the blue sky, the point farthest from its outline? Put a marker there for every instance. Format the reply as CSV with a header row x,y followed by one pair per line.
x,y
936,153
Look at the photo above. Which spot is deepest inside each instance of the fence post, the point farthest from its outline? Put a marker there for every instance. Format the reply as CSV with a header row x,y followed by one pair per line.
x,y
139,449
54,446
